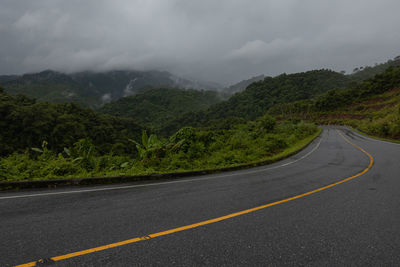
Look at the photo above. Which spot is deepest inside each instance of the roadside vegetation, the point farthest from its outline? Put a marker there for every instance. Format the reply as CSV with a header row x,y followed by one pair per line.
x,y
259,97
186,150
25,123
372,106
173,130
378,116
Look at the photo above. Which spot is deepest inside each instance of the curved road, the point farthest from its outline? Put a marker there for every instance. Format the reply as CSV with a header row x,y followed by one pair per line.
x,y
355,222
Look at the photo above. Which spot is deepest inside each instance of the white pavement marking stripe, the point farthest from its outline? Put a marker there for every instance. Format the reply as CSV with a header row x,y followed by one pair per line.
x,y
163,183
375,140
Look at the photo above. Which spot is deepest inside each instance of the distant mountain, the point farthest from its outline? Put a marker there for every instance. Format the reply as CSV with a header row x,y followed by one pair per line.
x,y
359,74
154,107
93,89
7,78
240,86
194,84
362,73
258,97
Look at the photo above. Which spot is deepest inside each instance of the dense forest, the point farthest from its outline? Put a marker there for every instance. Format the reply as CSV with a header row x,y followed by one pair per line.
x,y
259,97
188,149
156,106
48,140
167,129
91,89
372,105
275,92
362,73
242,85
26,123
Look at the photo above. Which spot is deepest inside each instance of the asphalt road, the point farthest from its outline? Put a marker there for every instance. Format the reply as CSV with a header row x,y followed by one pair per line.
x,y
354,223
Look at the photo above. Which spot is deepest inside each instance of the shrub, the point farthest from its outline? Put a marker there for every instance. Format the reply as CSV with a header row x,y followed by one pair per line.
x,y
267,123
185,137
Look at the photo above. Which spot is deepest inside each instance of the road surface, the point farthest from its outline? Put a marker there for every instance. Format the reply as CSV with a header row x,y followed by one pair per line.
x,y
330,205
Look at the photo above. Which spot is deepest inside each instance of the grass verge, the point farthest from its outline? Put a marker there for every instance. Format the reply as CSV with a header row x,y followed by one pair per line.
x,y
374,137
53,183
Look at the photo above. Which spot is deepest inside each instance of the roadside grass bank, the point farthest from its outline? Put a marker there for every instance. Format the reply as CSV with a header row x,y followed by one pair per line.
x,y
371,106
151,167
374,136
377,116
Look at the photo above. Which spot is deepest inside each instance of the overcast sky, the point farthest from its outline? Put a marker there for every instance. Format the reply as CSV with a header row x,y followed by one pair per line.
x,y
215,40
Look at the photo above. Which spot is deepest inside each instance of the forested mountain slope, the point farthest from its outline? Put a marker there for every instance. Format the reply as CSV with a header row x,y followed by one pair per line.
x,y
260,96
242,85
26,123
372,105
229,133
156,106
92,89
362,73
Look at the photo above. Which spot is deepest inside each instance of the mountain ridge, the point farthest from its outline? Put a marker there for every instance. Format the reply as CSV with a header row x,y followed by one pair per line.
x,y
155,106
93,89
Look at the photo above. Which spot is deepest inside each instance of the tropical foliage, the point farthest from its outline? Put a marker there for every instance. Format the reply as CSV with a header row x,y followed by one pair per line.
x,y
191,130
88,89
372,106
26,123
188,149
260,96
156,106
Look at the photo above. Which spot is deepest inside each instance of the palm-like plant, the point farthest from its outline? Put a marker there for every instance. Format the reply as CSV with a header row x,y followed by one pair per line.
x,y
83,152
151,146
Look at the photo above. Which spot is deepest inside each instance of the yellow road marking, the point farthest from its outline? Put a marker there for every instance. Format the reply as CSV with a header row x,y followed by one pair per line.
x,y
195,225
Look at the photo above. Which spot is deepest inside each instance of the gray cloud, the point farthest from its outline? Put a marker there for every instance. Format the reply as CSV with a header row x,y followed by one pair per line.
x,y
224,41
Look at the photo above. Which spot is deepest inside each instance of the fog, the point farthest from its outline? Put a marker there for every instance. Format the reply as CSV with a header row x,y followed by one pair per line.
x,y
223,41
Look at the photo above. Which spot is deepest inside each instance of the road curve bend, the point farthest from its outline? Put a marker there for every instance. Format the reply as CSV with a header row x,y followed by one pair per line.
x,y
335,203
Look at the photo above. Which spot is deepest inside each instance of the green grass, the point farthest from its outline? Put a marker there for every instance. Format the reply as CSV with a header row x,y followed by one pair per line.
x,y
290,151
377,116
375,137
188,150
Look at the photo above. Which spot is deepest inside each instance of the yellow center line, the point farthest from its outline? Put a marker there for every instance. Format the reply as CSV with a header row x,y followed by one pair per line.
x,y
218,219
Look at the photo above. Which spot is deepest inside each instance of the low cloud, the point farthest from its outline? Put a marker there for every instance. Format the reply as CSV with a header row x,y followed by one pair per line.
x,y
106,98
258,51
223,41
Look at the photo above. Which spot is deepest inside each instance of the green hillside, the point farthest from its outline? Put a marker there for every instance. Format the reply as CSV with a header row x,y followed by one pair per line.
x,y
362,73
372,106
242,85
91,89
265,121
156,106
379,115
259,97
65,141
26,123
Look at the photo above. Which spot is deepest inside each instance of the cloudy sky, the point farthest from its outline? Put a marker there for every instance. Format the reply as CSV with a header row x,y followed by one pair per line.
x,y
215,40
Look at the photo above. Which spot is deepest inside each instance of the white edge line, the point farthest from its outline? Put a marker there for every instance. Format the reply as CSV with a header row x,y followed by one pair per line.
x,y
163,183
372,139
